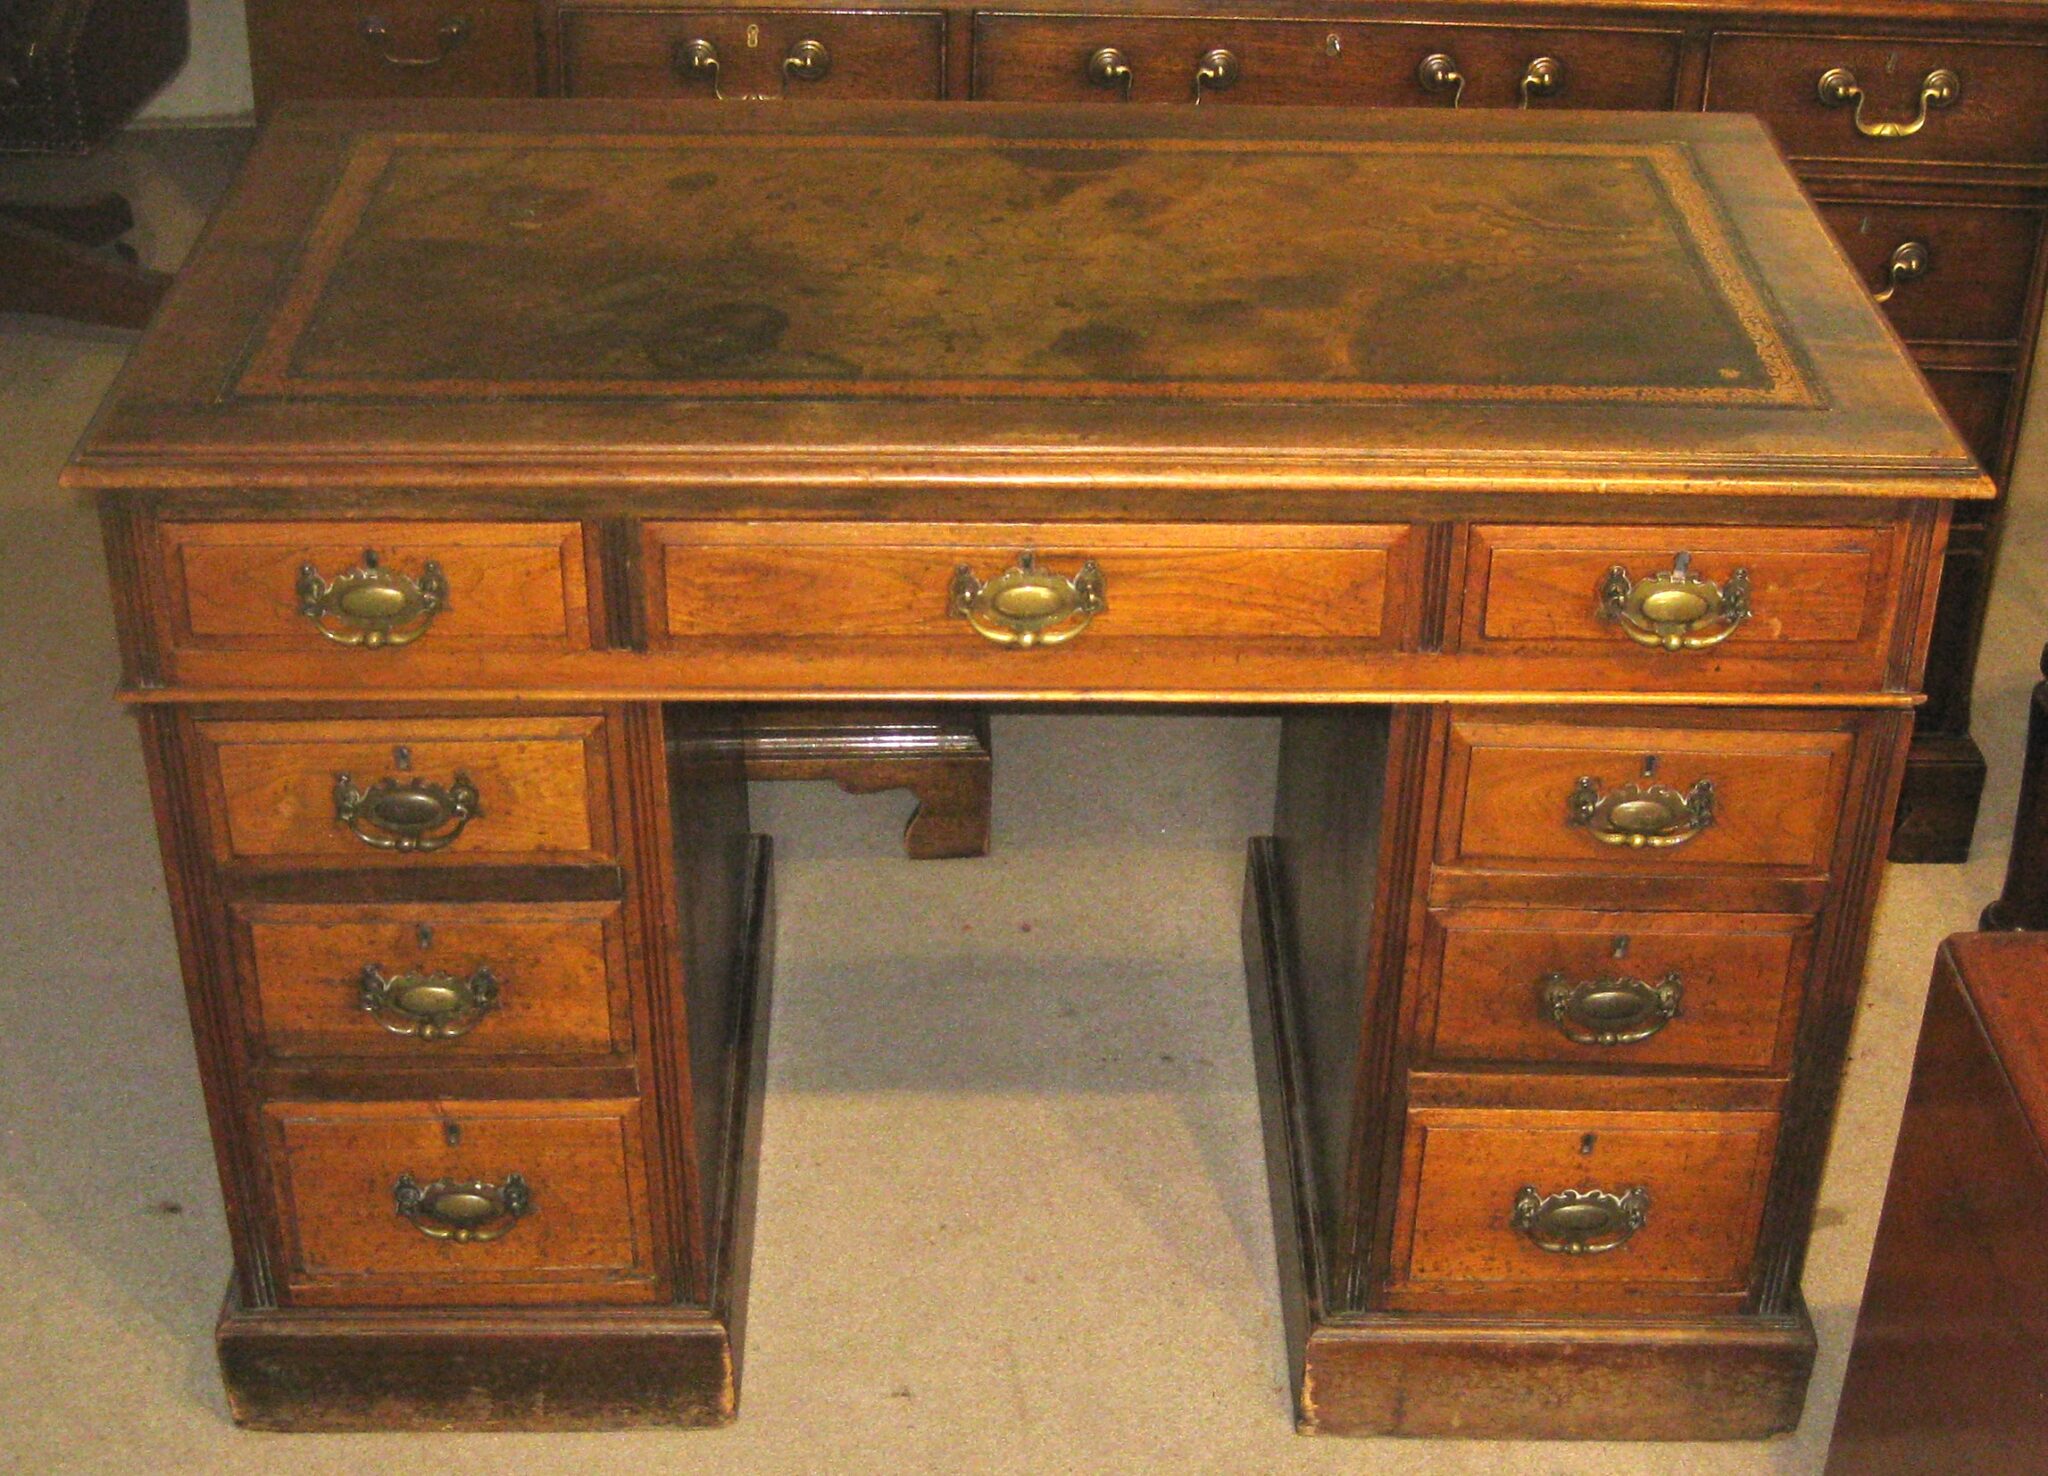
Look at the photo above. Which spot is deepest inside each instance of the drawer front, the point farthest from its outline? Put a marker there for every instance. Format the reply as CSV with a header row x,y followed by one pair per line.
x,y
744,54
1613,989
1999,112
1954,272
374,1201
392,48
1668,1208
1823,595
1642,800
333,598
955,605
1037,58
1979,402
418,982
408,791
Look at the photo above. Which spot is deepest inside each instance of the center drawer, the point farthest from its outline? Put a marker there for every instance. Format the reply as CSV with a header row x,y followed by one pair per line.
x,y
751,54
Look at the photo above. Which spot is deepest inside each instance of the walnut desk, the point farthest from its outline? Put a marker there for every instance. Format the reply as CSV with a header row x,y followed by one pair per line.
x,y
489,459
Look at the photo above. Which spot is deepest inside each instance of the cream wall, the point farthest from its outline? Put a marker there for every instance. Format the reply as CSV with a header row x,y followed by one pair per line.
x,y
215,79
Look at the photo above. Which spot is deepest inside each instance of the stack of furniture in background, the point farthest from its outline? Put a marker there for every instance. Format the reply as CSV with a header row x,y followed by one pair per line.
x,y
71,72
1920,126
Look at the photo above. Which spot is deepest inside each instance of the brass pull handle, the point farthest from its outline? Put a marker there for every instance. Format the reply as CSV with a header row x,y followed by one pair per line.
x,y
1438,72
696,58
1677,610
1609,1011
406,814
1839,88
465,1211
1579,1222
371,605
427,1006
1543,77
1218,72
1028,606
1108,67
808,61
1910,262
450,33
1640,814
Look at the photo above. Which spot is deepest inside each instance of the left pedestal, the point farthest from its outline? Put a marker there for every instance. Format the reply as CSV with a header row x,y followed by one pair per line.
x,y
480,998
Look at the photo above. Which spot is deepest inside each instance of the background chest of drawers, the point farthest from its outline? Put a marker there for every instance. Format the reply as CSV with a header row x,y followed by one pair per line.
x,y
1920,128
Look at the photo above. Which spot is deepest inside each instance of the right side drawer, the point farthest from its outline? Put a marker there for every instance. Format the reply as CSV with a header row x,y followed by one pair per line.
x,y
621,51
1945,272
1601,797
1997,112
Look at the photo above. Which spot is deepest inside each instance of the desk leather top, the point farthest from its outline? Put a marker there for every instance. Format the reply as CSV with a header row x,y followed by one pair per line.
x,y
553,291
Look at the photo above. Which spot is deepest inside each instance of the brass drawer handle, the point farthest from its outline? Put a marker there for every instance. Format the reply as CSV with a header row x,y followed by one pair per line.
x,y
1108,67
1640,814
1028,606
1579,1222
1678,609
406,814
1838,88
427,1006
1543,77
1610,1011
1218,72
807,61
466,1211
1910,262
696,58
1438,72
450,33
371,605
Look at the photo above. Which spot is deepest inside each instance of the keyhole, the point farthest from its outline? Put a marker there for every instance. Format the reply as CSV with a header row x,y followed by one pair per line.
x,y
1332,44
753,38
1891,64
452,1132
1864,228
425,935
401,758
1621,945
1586,1145
1649,765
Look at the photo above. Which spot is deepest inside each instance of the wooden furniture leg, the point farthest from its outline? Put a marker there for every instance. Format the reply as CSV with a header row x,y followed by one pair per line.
x,y
52,261
941,755
2024,902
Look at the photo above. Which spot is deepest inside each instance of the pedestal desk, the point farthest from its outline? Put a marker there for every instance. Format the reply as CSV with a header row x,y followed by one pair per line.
x,y
489,460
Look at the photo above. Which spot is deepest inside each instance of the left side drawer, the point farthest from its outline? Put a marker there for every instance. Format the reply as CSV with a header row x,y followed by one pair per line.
x,y
329,600
460,1202
407,791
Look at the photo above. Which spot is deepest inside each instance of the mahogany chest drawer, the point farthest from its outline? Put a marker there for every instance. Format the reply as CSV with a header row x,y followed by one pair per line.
x,y
798,53
392,48
968,596
1887,98
407,791
434,982
1601,797
1945,272
1605,989
1059,58
1587,1211
460,1202
321,600
1674,603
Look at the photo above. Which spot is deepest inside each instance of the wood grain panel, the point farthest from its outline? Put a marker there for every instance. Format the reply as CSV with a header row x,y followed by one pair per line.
x,y
1483,972
540,780
560,969
1777,795
1704,1174
333,1167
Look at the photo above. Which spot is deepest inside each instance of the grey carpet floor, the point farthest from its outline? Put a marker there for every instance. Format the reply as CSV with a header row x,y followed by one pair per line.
x,y
1012,1204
